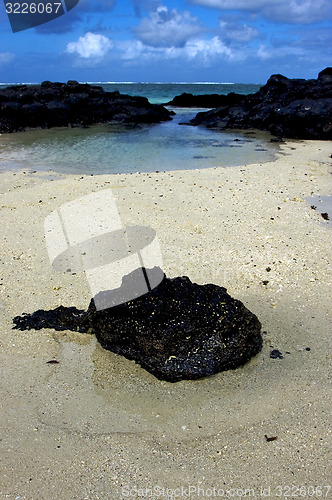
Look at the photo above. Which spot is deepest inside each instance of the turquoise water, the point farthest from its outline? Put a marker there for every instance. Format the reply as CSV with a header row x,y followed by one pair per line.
x,y
159,93
141,148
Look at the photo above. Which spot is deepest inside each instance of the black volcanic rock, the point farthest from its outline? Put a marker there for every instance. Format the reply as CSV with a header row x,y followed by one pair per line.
x,y
294,108
325,75
186,100
60,319
180,330
72,104
177,331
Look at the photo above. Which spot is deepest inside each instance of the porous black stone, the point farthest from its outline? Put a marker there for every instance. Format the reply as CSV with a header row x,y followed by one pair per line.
x,y
180,330
60,319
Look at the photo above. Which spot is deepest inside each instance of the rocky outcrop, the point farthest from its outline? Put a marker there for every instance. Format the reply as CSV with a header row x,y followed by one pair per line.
x,y
186,100
72,104
293,108
179,330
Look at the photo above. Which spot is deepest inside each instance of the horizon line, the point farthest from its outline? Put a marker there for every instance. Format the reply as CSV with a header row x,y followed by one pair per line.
x,y
137,83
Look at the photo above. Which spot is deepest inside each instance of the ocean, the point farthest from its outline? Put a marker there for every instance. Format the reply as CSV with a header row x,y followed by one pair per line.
x,y
105,149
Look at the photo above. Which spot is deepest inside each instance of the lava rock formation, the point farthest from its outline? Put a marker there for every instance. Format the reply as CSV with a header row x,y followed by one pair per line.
x,y
72,104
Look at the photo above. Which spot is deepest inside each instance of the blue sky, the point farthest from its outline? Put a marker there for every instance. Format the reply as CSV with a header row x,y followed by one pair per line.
x,y
172,41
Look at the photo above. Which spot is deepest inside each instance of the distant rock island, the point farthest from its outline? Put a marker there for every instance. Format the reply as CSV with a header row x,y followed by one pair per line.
x,y
290,108
72,104
186,100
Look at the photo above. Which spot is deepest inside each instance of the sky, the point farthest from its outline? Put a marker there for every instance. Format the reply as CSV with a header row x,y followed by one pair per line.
x,y
239,41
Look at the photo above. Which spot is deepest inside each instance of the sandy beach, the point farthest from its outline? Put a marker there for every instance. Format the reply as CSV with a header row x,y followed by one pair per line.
x,y
97,426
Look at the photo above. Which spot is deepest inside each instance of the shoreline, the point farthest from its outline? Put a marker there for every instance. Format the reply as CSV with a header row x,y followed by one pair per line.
x,y
96,422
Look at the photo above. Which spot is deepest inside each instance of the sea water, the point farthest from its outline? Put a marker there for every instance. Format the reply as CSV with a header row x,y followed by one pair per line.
x,y
164,146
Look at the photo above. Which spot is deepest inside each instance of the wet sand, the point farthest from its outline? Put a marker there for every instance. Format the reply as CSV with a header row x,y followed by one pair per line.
x,y
97,426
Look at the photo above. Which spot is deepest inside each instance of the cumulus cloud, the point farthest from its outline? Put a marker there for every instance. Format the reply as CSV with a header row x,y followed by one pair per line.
x,y
287,11
167,28
207,50
132,50
90,46
204,52
238,32
299,11
279,53
264,53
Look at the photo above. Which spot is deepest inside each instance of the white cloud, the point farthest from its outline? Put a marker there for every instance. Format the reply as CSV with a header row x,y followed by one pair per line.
x,y
6,57
264,53
298,11
237,32
207,50
204,52
277,53
89,46
132,50
287,11
167,28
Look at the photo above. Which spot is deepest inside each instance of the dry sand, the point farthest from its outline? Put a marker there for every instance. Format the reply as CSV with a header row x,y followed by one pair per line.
x,y
97,426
